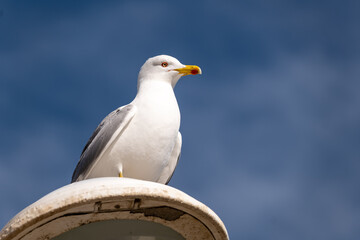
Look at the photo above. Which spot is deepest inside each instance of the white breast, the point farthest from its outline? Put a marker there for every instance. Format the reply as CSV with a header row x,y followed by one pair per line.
x,y
145,147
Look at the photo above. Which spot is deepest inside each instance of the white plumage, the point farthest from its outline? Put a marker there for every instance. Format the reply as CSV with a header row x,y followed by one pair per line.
x,y
140,140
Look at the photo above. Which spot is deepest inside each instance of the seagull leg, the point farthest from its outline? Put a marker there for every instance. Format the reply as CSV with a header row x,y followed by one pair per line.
x,y
120,170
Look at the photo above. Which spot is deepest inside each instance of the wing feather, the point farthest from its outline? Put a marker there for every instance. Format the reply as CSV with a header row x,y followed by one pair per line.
x,y
174,159
115,122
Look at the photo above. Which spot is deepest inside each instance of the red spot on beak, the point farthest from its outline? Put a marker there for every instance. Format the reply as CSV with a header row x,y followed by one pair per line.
x,y
194,71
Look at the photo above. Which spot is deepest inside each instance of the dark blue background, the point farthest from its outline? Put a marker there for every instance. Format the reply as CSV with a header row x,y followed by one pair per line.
x,y
271,130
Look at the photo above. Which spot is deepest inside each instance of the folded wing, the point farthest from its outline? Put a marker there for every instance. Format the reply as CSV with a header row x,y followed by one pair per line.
x,y
114,124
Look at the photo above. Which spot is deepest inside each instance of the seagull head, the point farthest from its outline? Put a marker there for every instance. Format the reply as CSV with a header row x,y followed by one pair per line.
x,y
165,68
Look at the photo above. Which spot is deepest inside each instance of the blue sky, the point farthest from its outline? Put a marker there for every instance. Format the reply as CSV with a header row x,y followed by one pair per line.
x,y
271,130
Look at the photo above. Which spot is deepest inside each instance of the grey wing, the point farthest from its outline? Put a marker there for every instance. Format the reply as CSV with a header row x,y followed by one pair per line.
x,y
174,159
101,137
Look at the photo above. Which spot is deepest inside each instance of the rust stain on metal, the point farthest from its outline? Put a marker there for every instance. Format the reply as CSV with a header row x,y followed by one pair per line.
x,y
166,213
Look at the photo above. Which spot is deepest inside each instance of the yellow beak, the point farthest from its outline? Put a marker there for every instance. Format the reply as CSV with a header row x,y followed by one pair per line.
x,y
189,69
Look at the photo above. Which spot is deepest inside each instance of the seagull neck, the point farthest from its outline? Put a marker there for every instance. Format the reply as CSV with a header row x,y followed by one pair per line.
x,y
154,91
153,86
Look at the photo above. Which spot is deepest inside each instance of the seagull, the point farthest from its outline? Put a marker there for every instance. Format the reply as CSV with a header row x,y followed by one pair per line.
x,y
140,140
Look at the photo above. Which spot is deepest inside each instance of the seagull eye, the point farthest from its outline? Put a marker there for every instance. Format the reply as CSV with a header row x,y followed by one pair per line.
x,y
164,64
